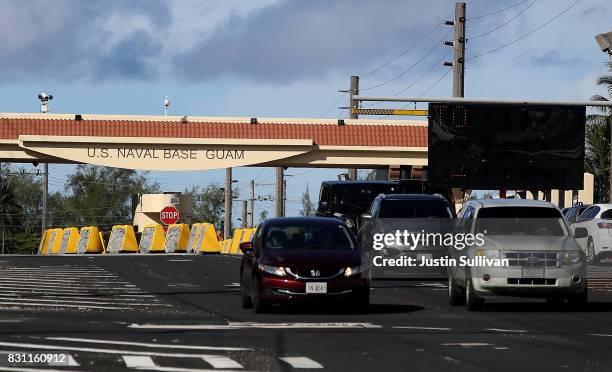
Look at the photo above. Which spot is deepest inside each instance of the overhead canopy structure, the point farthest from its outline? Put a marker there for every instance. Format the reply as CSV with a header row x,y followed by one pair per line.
x,y
199,143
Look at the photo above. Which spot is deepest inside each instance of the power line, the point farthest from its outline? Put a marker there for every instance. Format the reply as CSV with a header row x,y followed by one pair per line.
x,y
505,23
527,34
424,74
499,11
332,105
436,83
412,66
404,51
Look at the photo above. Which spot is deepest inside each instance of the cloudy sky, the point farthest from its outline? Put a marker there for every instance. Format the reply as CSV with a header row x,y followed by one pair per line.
x,y
284,58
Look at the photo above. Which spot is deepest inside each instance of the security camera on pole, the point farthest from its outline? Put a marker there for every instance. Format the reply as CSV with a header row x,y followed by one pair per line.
x,y
166,104
44,99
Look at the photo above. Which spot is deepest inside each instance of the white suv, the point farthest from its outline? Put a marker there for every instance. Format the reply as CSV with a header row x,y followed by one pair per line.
x,y
593,231
541,258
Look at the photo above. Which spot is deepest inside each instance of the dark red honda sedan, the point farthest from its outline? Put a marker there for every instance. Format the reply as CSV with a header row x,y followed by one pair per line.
x,y
296,259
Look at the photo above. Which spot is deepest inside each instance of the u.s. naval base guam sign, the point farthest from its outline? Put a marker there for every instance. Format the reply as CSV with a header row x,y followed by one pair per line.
x,y
165,153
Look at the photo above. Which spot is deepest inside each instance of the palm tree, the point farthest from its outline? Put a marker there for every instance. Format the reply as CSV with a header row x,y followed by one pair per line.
x,y
598,133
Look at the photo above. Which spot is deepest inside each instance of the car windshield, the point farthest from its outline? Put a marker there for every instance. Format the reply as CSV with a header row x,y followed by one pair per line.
x,y
414,209
521,221
308,236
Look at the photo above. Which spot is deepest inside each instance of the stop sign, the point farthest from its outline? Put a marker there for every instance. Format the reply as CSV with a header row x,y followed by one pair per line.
x,y
169,215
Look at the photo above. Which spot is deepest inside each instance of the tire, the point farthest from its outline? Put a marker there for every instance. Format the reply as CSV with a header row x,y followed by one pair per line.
x,y
579,300
456,297
259,305
472,301
591,258
245,298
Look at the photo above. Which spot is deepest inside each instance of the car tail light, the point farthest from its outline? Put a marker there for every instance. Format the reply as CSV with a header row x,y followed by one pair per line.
x,y
604,225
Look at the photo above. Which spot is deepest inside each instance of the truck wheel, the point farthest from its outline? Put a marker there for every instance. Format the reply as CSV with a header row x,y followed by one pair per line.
x,y
472,301
456,297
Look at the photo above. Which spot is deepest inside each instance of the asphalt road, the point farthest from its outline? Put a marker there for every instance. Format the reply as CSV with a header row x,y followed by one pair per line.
x,y
182,313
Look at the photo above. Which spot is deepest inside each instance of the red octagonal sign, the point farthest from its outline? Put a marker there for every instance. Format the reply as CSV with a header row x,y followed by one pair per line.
x,y
169,215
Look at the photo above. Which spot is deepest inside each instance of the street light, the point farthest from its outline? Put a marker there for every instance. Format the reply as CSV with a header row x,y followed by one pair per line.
x,y
605,42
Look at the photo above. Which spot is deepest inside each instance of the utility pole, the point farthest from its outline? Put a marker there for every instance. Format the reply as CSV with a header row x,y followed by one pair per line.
x,y
227,222
280,177
45,197
354,91
284,198
459,51
252,200
244,214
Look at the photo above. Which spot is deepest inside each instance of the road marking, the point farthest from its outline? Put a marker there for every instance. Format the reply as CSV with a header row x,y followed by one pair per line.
x,y
243,325
301,362
44,301
138,361
67,305
72,362
467,344
426,328
144,344
599,334
177,260
221,362
233,285
506,330
21,369
102,351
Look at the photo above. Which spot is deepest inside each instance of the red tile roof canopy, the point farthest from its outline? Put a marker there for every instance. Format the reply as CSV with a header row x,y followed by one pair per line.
x,y
382,135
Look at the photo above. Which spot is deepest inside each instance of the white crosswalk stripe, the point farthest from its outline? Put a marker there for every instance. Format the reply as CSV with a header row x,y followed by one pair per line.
x,y
71,287
221,362
301,362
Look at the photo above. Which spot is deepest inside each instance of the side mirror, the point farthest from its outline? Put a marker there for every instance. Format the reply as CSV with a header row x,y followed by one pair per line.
x,y
581,232
323,205
246,247
366,216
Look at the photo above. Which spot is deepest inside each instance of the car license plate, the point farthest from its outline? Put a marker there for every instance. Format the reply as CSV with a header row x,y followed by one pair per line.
x,y
533,272
316,287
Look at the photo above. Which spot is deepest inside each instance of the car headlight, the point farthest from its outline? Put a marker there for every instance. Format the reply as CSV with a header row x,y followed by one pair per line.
x,y
278,271
349,222
350,271
570,258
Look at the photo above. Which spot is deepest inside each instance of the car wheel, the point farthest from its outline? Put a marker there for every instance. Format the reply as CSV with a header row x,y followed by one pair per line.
x,y
245,298
472,301
590,253
456,297
578,300
259,305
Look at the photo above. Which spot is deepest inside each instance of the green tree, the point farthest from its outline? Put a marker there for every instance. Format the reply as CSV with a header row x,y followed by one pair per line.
x,y
597,149
10,212
307,205
208,203
263,215
100,196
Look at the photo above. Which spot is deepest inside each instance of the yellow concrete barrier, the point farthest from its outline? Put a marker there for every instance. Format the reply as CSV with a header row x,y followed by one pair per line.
x,y
194,235
236,240
225,245
54,241
90,241
152,239
70,238
177,238
207,240
43,247
122,240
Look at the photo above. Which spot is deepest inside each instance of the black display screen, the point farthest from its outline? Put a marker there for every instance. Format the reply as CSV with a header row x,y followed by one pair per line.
x,y
512,147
